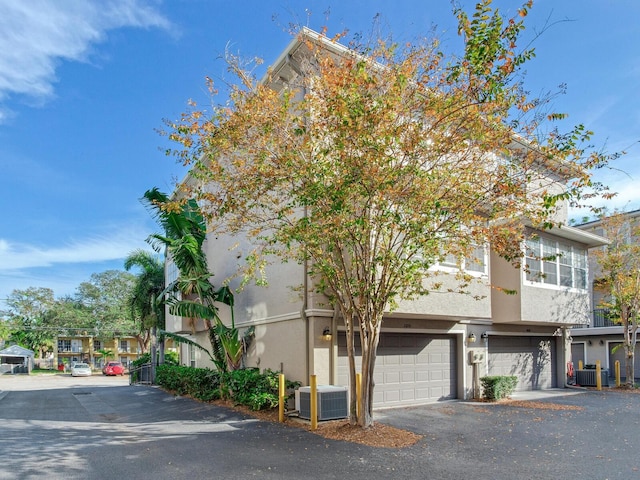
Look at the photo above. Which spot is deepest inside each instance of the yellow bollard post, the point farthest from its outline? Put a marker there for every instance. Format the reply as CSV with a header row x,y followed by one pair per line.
x,y
314,402
598,377
617,373
358,393
580,366
281,397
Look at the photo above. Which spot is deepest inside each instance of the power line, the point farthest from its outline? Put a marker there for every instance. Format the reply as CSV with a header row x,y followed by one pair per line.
x,y
89,330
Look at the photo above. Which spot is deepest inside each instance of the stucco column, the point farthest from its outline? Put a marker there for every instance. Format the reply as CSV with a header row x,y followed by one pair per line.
x,y
566,354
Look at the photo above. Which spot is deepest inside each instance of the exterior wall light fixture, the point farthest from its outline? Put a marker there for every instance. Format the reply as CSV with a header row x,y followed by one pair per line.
x,y
326,333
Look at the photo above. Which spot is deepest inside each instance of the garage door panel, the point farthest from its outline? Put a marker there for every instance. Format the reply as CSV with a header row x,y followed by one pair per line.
x,y
531,359
391,360
407,360
391,377
577,354
410,368
425,392
620,355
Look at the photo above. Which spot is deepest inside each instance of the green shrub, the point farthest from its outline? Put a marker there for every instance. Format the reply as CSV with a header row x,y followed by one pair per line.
x,y
141,360
499,386
170,358
246,386
256,390
200,383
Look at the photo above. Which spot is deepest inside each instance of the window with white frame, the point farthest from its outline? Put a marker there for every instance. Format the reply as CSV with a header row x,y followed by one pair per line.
x,y
555,263
171,275
474,263
172,271
192,356
76,345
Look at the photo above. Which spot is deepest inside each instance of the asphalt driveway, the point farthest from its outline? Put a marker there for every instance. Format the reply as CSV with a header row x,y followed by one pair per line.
x,y
94,428
589,435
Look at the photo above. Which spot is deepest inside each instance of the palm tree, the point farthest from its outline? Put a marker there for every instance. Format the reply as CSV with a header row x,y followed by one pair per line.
x,y
146,303
106,353
192,295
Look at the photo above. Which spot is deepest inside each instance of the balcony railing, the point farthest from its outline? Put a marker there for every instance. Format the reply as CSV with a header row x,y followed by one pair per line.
x,y
601,318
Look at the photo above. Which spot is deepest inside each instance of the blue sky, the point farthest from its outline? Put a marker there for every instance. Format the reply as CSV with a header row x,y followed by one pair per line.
x,y
84,85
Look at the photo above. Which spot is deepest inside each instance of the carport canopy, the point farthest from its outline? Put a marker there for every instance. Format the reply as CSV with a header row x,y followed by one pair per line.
x,y
16,355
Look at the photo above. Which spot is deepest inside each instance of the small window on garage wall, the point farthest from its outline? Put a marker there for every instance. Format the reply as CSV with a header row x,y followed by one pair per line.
x,y
192,356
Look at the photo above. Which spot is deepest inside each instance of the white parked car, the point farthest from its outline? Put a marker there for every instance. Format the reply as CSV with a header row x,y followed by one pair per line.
x,y
80,370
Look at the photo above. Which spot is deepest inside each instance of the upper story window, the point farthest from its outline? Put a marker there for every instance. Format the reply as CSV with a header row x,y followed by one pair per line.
x,y
555,263
172,271
474,264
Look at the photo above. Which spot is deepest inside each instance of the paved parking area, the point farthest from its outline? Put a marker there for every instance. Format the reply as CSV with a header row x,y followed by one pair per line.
x,y
63,427
563,435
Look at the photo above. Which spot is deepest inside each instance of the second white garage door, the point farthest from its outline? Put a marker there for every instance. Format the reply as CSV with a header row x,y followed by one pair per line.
x,y
410,368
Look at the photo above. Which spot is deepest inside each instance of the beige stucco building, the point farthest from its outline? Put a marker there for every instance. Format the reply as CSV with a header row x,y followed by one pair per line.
x,y
86,348
428,347
600,337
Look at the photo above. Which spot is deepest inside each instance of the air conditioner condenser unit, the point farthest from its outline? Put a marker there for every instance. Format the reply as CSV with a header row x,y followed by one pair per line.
x,y
332,402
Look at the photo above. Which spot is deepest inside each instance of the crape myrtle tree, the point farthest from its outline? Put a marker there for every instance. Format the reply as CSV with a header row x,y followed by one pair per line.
x,y
619,276
374,162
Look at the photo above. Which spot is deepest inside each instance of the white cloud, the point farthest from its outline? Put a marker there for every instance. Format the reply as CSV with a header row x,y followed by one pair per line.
x,y
63,267
15,257
36,35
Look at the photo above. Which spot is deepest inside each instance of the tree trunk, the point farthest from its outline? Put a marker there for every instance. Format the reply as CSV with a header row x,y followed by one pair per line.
x,y
141,343
629,347
634,339
628,365
369,328
353,401
369,336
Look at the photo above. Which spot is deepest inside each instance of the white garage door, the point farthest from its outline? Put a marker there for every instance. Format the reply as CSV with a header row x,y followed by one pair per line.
x,y
531,359
410,368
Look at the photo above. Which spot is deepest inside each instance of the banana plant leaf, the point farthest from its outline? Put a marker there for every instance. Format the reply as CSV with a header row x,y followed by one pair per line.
x,y
220,365
225,295
231,343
